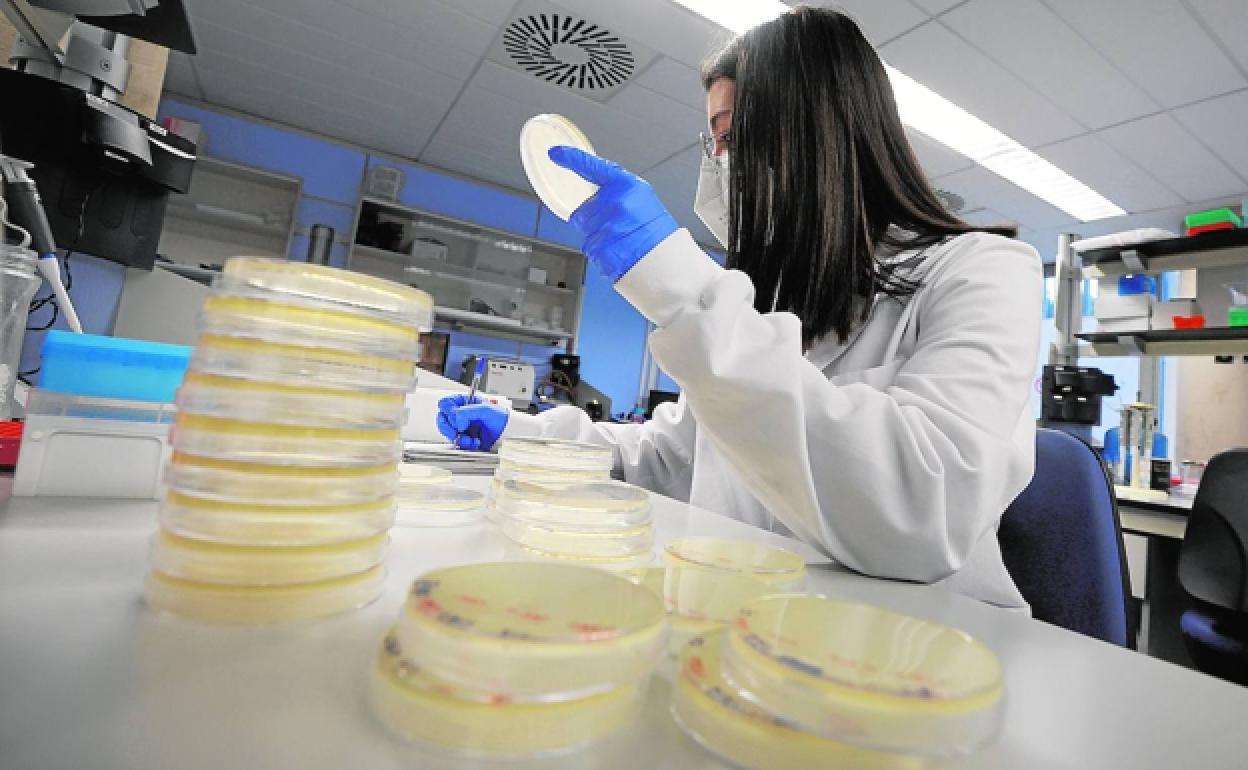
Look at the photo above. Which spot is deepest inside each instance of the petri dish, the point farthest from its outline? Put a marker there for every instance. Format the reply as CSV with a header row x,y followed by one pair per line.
x,y
262,605
628,566
591,544
246,317
862,675
439,505
533,631
415,474
286,485
716,715
560,189
769,563
269,444
699,600
550,477
297,365
602,505
301,283
287,525
415,705
208,562
551,454
238,399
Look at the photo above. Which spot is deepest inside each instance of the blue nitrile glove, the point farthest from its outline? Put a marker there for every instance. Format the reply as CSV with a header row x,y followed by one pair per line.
x,y
470,426
623,221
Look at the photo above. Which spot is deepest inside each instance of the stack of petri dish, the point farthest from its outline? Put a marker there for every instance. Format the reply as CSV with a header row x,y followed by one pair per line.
x,y
603,524
779,568
427,499
517,659
551,462
286,444
804,681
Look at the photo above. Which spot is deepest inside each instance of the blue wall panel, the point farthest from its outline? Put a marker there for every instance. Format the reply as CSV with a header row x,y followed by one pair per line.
x,y
552,228
441,193
612,341
329,170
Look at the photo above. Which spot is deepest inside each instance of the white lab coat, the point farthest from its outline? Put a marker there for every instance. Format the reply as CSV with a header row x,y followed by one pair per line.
x,y
895,454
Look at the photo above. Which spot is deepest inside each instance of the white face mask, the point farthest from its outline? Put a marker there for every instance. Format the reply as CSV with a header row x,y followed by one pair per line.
x,y
710,202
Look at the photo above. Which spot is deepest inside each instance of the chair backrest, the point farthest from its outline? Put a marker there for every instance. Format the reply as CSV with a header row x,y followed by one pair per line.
x,y
1213,560
1062,543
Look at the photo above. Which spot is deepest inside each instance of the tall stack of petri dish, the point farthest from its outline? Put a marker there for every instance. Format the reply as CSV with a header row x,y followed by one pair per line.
x,y
517,659
286,445
603,524
804,681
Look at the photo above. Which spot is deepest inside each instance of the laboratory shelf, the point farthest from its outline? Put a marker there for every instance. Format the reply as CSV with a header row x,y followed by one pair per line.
x,y
1220,248
239,221
1167,342
497,323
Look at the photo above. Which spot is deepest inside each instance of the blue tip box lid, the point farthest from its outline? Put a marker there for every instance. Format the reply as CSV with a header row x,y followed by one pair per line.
x,y
112,367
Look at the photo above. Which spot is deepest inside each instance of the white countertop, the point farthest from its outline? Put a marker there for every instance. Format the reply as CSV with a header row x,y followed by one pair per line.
x,y
91,679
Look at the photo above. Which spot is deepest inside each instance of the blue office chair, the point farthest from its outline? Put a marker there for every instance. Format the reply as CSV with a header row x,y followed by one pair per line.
x,y
1213,569
1062,543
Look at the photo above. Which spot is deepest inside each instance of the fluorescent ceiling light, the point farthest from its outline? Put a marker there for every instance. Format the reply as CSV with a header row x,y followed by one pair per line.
x,y
928,112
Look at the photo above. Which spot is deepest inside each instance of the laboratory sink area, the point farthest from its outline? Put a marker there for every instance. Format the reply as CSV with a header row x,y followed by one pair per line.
x,y
659,385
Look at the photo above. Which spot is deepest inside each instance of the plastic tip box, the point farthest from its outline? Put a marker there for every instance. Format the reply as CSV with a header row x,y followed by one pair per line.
x,y
111,367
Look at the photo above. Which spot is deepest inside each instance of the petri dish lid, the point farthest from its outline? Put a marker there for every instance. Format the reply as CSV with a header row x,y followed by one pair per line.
x,y
260,361
241,399
415,474
866,676
276,523
560,189
236,482
211,562
709,596
550,454
602,505
415,704
439,497
610,544
710,710
769,563
320,285
271,444
533,629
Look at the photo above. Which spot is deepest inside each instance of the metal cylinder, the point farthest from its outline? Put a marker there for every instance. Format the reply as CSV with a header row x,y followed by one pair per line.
x,y
320,244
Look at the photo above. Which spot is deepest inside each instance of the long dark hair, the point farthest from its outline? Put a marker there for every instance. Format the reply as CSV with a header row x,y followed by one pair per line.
x,y
821,168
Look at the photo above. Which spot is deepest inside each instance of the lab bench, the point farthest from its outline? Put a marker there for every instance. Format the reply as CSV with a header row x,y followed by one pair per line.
x,y
91,678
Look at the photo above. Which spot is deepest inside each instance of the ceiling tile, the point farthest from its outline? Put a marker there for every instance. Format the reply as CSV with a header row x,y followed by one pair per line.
x,y
986,217
1219,123
674,80
671,124
937,6
980,187
1032,42
1229,22
937,159
180,76
1098,165
1161,147
956,70
1158,44
879,21
661,25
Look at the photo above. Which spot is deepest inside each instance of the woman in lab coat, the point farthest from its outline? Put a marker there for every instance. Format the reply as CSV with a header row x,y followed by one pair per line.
x,y
860,375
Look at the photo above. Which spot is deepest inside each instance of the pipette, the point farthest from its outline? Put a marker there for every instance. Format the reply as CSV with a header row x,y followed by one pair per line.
x,y
476,378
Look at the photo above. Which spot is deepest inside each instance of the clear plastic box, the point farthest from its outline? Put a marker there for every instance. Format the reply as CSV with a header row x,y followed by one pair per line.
x,y
286,525
311,285
234,482
414,705
237,399
862,675
209,562
262,605
268,444
532,631
260,361
728,725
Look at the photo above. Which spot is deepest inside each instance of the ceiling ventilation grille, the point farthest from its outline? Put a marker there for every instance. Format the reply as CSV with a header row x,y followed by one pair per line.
x,y
569,52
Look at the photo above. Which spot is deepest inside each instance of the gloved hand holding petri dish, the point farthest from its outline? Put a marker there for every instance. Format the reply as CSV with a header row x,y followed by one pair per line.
x,y
562,190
